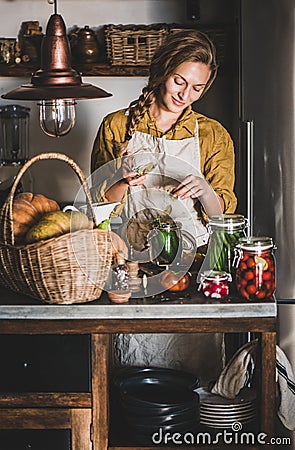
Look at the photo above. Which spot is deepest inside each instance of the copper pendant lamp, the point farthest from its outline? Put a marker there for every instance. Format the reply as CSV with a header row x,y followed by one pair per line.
x,y
56,85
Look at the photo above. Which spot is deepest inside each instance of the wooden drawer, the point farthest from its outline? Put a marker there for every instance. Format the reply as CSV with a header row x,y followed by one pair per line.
x,y
44,363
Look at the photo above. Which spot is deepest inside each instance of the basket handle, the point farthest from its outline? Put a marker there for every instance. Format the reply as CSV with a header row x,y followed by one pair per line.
x,y
6,212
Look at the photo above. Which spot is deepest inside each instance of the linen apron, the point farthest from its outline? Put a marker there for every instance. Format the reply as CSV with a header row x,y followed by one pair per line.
x,y
174,160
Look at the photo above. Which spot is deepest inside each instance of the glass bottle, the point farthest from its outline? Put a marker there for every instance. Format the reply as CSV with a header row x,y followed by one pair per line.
x,y
118,289
225,232
120,274
215,284
14,149
256,271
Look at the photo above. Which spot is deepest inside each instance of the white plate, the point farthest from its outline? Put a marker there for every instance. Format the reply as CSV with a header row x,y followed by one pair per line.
x,y
228,418
246,396
226,410
224,424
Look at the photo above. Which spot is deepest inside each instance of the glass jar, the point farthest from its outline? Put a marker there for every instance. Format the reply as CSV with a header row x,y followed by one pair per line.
x,y
168,242
215,284
256,272
225,231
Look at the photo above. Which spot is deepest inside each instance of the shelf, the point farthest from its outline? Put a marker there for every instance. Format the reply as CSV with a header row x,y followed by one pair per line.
x,y
91,70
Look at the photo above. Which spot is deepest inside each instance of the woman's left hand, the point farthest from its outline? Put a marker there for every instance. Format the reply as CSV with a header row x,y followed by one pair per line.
x,y
197,187
192,186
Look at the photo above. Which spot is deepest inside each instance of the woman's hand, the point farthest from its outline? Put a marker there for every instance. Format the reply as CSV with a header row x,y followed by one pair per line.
x,y
192,186
129,176
197,187
123,178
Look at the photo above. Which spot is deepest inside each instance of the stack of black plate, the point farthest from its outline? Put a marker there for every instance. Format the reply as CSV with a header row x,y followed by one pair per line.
x,y
151,402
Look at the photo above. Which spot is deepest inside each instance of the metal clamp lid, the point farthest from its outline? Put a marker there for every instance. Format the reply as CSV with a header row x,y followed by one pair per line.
x,y
256,243
227,221
215,275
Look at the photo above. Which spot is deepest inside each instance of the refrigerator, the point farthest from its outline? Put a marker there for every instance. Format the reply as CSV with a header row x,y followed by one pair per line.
x,y
267,142
254,98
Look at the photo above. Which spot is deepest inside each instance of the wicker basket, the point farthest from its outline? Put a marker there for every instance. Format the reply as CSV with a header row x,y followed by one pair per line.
x,y
133,44
71,268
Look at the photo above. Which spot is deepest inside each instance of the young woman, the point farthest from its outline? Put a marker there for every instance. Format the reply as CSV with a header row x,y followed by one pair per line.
x,y
192,155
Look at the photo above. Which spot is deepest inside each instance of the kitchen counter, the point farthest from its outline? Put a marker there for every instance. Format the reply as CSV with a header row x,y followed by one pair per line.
x,y
87,414
166,306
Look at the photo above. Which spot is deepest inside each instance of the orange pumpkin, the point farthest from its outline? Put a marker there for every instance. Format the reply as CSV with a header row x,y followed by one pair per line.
x,y
27,210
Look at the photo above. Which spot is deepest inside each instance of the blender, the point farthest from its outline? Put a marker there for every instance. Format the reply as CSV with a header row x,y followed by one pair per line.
x,y
14,148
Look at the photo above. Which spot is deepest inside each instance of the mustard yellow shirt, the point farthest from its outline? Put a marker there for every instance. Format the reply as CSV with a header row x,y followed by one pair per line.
x,y
216,147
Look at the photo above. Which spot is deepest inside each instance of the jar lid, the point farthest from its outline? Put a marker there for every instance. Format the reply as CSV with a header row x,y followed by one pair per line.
x,y
227,220
215,275
255,243
167,225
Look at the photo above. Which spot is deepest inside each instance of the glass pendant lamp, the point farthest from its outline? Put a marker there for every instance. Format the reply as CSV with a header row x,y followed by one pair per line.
x,y
56,85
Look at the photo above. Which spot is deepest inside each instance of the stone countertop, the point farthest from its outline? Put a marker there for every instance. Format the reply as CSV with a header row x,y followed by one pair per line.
x,y
164,306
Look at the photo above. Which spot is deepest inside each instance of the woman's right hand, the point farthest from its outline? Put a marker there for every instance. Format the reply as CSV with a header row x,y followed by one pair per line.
x,y
124,178
129,176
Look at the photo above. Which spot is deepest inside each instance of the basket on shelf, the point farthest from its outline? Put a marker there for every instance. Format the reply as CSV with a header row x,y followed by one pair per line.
x,y
133,44
71,268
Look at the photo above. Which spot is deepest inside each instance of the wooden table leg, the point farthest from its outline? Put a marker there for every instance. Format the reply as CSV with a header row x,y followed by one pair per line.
x,y
80,429
268,384
100,350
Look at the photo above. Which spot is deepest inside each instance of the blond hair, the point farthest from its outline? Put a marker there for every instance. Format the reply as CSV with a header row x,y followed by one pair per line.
x,y
179,47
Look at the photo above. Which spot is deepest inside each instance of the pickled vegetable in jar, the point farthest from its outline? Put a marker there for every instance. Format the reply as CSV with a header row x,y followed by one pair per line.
x,y
215,284
225,231
256,272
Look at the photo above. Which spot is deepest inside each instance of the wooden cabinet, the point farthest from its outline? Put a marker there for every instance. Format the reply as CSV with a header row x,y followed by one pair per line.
x,y
44,363
87,414
35,440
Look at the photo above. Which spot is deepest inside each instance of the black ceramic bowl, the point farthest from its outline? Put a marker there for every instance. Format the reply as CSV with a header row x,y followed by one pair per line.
x,y
138,410
158,413
192,415
180,427
155,388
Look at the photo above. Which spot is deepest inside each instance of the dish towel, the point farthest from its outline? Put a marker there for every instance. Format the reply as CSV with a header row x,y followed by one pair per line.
x,y
286,385
237,372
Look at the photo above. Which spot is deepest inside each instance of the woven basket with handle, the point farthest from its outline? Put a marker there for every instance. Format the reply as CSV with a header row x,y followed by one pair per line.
x,y
71,268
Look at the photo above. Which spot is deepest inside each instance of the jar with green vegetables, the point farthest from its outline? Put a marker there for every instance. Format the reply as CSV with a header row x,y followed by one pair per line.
x,y
225,231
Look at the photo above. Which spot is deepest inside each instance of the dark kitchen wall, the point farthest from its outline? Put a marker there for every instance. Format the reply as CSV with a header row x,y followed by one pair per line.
x,y
220,18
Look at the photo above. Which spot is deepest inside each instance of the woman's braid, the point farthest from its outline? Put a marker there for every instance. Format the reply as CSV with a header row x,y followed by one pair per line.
x,y
137,110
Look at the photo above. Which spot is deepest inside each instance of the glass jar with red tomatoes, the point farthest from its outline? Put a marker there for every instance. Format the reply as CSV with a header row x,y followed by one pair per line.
x,y
256,272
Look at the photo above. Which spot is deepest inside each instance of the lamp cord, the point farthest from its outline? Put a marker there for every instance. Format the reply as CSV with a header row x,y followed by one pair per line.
x,y
51,2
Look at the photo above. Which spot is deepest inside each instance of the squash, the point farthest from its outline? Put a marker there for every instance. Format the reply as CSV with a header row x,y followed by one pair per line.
x,y
55,224
27,210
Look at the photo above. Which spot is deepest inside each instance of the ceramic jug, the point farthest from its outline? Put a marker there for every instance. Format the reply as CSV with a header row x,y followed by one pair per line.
x,y
85,48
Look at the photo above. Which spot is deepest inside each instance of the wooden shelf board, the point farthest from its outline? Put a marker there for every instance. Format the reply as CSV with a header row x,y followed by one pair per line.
x,y
92,70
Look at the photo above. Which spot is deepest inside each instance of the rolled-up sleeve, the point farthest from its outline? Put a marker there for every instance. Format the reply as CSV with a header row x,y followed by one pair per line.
x,y
218,161
104,161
